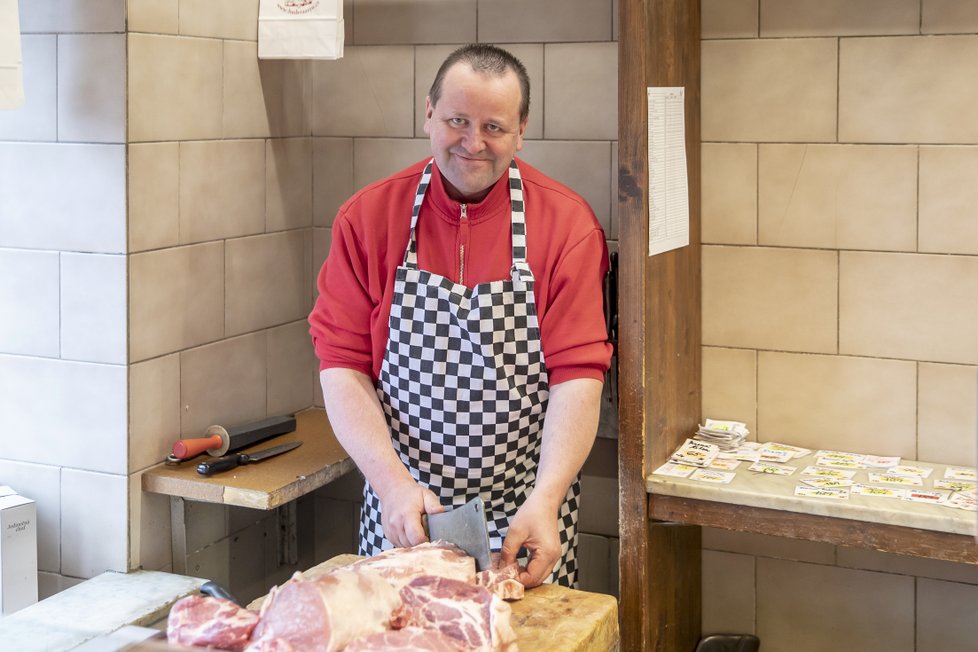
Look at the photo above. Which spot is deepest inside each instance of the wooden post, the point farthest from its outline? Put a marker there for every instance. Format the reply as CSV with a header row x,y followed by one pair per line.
x,y
659,332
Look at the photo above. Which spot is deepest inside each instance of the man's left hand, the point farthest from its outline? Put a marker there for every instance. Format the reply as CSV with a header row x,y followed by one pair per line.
x,y
535,528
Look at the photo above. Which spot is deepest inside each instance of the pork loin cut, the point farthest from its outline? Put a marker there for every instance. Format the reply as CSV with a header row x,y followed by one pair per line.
x,y
476,619
204,621
401,565
326,613
409,639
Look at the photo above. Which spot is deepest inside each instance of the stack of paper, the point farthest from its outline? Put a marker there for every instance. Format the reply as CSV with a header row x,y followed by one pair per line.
x,y
727,435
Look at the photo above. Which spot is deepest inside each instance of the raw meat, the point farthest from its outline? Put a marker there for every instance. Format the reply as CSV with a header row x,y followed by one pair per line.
x,y
270,645
328,612
404,640
199,620
401,565
471,615
502,580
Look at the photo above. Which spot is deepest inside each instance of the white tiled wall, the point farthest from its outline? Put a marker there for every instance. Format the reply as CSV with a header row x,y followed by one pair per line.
x,y
63,330
838,274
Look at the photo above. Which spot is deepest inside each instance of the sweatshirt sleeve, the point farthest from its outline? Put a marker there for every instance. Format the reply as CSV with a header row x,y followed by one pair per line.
x,y
340,320
573,329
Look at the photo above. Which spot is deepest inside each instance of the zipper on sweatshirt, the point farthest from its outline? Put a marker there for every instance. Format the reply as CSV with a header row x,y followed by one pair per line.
x,y
463,238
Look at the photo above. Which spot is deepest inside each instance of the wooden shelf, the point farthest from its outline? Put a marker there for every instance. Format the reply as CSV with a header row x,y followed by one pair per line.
x,y
268,484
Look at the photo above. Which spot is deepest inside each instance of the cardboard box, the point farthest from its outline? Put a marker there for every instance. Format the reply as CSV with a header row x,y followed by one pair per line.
x,y
18,551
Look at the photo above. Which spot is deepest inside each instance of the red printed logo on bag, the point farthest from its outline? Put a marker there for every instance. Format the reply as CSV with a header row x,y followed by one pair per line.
x,y
298,6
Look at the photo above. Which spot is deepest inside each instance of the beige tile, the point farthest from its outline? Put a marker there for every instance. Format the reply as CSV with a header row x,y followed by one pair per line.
x,y
375,158
293,370
428,58
839,17
730,385
948,17
907,89
910,306
593,554
211,562
582,166
776,90
174,88
728,18
837,402
288,181
575,71
947,414
382,22
154,196
728,593
230,19
222,189
92,88
612,233
207,523
156,16
268,280
369,92
905,565
154,410
518,21
176,299
223,383
806,607
838,196
599,505
332,172
729,193
760,545
945,616
948,196
149,528
762,298
264,98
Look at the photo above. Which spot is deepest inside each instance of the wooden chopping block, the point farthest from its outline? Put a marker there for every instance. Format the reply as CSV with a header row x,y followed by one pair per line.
x,y
549,618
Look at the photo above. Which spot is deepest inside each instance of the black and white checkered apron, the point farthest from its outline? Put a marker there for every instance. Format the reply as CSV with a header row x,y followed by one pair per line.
x,y
464,388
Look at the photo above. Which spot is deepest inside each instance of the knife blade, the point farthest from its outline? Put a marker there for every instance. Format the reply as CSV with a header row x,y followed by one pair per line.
x,y
465,526
234,460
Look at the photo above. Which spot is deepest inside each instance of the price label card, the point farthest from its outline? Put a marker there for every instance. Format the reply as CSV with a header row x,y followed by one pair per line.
x,y
889,478
878,492
911,471
921,496
960,473
675,470
774,469
816,492
825,472
828,483
716,477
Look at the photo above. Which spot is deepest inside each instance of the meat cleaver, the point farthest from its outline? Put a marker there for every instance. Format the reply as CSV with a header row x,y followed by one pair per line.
x,y
464,526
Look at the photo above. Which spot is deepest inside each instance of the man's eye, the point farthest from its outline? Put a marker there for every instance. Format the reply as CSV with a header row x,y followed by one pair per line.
x,y
491,128
458,122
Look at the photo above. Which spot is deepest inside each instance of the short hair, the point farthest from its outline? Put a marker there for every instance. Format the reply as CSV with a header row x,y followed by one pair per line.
x,y
487,59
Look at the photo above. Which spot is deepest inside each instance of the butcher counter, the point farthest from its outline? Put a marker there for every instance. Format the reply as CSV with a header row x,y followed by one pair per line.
x,y
99,615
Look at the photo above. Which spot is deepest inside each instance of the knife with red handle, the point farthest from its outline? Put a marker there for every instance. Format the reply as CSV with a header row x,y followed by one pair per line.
x,y
228,462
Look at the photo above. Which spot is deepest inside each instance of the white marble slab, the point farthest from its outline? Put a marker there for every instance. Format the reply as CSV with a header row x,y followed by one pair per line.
x,y
95,607
777,492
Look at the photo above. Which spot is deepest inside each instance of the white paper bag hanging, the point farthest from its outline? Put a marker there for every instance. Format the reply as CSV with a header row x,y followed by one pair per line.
x,y
300,29
11,74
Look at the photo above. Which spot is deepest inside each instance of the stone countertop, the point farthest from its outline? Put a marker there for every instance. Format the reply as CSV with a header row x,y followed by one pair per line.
x,y
771,491
94,608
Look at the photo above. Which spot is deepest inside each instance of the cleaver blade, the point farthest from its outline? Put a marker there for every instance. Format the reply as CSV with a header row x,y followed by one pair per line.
x,y
464,526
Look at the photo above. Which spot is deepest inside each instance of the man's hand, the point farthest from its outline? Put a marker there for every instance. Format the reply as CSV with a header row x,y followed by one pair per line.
x,y
401,509
535,528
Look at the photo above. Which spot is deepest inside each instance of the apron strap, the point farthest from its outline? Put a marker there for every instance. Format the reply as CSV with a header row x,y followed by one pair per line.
x,y
520,270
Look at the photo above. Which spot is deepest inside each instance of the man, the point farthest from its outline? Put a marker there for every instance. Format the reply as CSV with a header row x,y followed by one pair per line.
x,y
462,343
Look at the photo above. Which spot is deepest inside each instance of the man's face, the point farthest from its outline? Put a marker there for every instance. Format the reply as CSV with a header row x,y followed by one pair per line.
x,y
475,129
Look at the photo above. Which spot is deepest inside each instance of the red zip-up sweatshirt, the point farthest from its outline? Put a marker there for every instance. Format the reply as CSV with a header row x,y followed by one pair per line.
x,y
566,251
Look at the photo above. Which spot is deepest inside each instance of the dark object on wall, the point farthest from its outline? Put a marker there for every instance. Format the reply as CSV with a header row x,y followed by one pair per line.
x,y
729,643
215,590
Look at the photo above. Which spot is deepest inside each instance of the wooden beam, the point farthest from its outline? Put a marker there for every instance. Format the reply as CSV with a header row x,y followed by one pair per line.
x,y
883,537
659,324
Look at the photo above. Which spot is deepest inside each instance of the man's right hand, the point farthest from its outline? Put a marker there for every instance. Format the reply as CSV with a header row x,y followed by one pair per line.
x,y
401,508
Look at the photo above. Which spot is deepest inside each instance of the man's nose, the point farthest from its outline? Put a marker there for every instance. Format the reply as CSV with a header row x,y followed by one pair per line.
x,y
472,141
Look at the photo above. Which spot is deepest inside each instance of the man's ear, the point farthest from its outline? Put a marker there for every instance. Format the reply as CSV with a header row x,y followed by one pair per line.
x,y
428,109
519,135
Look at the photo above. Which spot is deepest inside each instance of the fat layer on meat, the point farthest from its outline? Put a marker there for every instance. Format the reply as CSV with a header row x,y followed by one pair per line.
x,y
502,580
401,565
475,618
326,613
205,621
